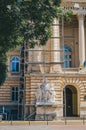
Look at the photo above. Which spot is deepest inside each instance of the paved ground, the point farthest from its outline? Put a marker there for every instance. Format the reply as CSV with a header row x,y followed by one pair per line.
x,y
43,127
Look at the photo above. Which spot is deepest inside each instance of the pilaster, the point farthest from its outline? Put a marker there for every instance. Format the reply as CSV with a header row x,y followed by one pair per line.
x,y
81,39
56,46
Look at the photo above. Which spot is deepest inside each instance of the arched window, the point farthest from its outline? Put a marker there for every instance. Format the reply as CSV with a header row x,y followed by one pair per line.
x,y
67,57
15,64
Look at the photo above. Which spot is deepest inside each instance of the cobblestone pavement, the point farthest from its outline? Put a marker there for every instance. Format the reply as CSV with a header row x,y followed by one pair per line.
x,y
43,127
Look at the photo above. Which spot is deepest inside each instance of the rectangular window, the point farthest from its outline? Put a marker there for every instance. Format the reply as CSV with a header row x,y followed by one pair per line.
x,y
15,64
14,92
15,67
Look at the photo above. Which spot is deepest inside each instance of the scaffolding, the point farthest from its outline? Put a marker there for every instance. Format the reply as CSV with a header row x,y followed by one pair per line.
x,y
22,82
25,62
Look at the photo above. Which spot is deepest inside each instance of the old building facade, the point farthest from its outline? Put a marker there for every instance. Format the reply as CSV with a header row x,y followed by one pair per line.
x,y
50,81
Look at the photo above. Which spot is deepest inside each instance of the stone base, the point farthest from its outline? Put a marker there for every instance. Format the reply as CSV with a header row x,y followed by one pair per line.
x,y
45,113
83,111
46,104
46,117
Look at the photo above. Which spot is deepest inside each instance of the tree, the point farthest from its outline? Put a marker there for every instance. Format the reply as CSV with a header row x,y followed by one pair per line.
x,y
25,21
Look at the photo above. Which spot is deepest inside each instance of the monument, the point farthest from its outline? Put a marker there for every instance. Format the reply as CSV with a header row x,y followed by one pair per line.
x,y
45,94
45,99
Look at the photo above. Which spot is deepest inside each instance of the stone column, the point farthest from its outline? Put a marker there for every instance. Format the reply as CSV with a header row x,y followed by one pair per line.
x,y
56,46
81,39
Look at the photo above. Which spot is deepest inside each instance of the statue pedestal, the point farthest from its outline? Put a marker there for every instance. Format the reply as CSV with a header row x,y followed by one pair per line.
x,y
46,101
45,111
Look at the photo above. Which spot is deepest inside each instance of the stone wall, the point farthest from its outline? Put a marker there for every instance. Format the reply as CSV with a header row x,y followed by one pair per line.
x,y
59,83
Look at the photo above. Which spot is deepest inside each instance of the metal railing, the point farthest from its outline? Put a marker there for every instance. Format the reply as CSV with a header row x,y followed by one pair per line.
x,y
59,121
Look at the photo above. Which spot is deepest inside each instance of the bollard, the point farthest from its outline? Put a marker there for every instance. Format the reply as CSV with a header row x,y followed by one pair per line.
x,y
83,120
11,121
29,121
65,121
47,120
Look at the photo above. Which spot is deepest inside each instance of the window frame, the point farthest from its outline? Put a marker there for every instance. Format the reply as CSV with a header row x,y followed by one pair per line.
x,y
14,94
15,62
68,55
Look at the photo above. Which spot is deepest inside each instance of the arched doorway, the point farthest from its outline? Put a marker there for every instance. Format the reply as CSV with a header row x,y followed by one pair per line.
x,y
70,101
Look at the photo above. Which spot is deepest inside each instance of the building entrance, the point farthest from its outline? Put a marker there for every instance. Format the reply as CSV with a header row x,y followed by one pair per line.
x,y
70,101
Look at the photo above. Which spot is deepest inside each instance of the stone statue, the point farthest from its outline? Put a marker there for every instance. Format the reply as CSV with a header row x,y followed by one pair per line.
x,y
46,90
38,94
52,94
45,93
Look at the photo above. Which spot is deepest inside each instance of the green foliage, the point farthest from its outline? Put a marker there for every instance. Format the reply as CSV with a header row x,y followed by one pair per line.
x,y
25,21
3,71
3,68
67,16
37,18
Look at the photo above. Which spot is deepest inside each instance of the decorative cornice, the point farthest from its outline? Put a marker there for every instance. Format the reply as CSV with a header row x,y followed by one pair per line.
x,y
70,3
70,6
78,1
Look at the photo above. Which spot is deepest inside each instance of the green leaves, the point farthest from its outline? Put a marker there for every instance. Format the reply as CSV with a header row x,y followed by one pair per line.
x,y
25,21
67,15
38,16
3,68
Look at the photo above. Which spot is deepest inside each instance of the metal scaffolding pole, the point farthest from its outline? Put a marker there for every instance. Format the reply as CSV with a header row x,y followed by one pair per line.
x,y
64,89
